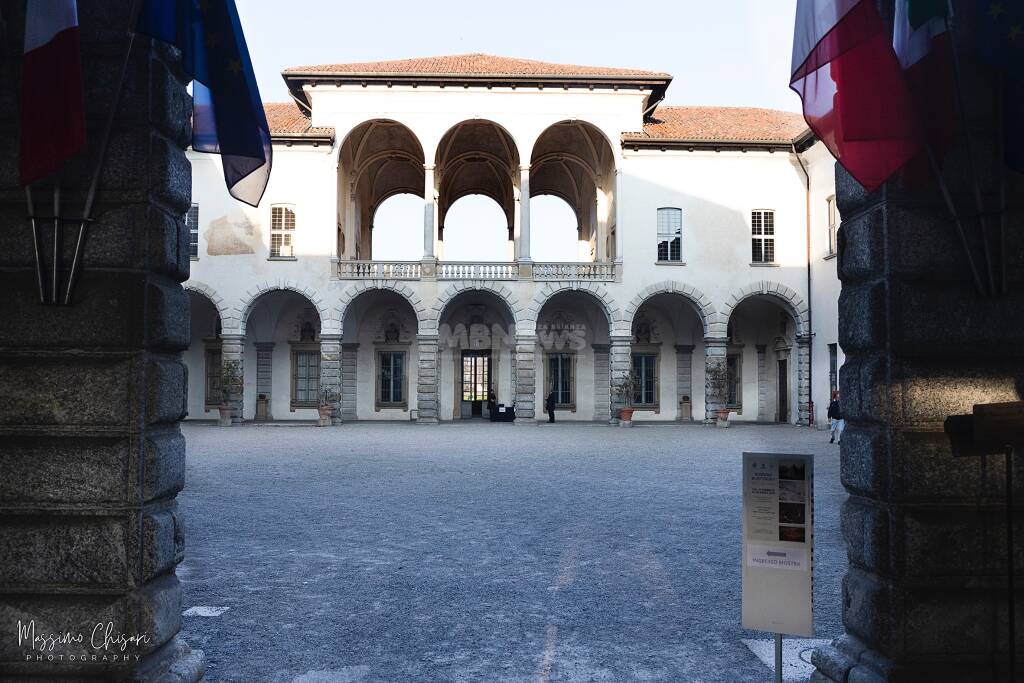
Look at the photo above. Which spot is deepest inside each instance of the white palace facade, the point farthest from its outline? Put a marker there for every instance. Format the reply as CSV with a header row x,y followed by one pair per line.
x,y
706,237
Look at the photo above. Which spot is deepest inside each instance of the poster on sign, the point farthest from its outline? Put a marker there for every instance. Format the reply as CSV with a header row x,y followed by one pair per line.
x,y
778,543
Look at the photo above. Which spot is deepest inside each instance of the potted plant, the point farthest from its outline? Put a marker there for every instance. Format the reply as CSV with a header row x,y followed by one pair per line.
x,y
328,398
624,390
230,386
716,382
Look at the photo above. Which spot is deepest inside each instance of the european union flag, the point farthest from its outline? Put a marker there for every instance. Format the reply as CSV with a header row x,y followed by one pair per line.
x,y
1001,44
227,112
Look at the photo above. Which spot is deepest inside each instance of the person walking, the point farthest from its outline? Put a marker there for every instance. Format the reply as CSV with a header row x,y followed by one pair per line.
x,y
549,405
835,416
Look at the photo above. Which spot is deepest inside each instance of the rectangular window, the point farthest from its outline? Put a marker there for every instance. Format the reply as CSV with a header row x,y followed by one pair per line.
x,y
213,394
305,379
645,366
734,385
391,379
282,229
832,224
561,379
192,221
762,236
833,367
670,234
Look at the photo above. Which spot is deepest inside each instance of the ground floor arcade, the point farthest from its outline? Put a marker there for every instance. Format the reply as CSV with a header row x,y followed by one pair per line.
x,y
387,358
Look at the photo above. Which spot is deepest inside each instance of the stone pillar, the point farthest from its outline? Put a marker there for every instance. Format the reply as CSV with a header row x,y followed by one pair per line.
x,y
427,404
684,373
232,351
803,372
924,596
525,377
524,213
91,394
428,212
602,382
763,412
620,362
349,359
715,351
330,371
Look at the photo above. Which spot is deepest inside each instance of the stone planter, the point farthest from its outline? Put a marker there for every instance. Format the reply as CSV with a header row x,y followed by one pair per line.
x,y
325,416
722,417
225,415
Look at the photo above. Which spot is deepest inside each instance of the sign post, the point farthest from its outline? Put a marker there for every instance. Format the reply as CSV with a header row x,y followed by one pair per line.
x,y
778,546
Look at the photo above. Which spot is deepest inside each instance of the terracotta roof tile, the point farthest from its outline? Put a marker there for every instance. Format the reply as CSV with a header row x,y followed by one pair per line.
x,y
285,118
725,124
474,64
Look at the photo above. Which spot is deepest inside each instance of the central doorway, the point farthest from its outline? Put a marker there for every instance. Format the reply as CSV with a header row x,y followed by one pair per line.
x,y
476,383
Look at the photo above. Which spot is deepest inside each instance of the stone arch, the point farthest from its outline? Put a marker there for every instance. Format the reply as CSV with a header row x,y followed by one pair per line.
x,y
789,299
598,293
350,294
218,302
701,303
519,318
328,325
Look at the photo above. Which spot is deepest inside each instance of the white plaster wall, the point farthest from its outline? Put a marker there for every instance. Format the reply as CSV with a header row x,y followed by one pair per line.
x,y
825,283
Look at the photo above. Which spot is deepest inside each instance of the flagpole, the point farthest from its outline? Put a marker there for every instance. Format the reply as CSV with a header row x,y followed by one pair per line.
x,y
57,239
951,207
1001,175
962,110
36,247
100,158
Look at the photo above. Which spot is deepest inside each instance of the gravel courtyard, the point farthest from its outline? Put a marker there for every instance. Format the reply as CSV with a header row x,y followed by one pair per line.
x,y
481,552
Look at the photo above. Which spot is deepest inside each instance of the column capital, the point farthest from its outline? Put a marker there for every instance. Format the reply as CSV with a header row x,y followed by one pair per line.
x,y
234,337
427,338
716,341
428,167
620,339
526,338
330,337
803,339
524,168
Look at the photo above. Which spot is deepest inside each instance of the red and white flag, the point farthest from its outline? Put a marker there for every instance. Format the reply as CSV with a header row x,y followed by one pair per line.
x,y
854,92
52,106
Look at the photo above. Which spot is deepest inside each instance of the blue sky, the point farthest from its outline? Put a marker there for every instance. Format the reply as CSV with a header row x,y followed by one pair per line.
x,y
729,52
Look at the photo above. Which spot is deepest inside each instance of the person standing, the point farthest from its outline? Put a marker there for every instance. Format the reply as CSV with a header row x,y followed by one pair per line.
x,y
549,405
835,416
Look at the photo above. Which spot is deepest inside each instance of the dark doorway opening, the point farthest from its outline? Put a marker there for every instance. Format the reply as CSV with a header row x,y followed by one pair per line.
x,y
783,390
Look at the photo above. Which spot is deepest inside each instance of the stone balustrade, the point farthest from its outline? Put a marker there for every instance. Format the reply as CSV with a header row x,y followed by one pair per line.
x,y
469,270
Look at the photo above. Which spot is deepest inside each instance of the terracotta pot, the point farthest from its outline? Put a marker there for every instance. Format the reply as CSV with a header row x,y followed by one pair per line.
x,y
626,414
325,415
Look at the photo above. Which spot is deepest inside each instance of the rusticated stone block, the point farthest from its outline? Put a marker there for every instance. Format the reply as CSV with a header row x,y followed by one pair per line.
x,y
164,457
93,471
83,552
49,391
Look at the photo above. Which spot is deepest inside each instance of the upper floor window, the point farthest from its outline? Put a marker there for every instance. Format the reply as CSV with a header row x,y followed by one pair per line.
x,y
762,236
670,234
832,224
192,221
282,230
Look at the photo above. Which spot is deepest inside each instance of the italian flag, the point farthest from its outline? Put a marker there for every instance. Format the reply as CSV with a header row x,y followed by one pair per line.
x,y
922,44
854,91
52,107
